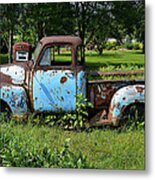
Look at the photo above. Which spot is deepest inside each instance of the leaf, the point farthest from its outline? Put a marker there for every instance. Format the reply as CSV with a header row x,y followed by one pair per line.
x,y
81,124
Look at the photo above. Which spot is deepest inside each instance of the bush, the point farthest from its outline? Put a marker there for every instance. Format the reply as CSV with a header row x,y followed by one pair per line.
x,y
141,46
111,46
136,46
23,152
129,45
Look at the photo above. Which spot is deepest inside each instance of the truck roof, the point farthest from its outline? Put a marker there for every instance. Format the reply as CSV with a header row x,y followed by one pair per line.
x,y
73,40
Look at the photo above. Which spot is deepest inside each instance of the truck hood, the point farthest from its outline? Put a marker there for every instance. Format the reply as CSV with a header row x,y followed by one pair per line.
x,y
12,74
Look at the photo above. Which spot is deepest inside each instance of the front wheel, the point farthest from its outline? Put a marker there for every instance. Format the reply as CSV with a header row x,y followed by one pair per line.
x,y
5,112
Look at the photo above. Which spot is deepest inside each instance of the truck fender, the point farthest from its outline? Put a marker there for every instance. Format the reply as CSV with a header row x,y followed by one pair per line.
x,y
15,97
124,97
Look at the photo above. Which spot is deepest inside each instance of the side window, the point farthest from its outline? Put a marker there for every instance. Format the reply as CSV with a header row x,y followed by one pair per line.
x,y
46,61
57,55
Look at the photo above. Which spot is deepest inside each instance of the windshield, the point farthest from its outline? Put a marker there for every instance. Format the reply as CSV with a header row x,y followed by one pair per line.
x,y
36,52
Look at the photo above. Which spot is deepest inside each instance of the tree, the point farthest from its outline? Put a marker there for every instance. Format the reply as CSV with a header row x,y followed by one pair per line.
x,y
128,19
25,30
83,14
59,21
102,21
140,25
92,21
9,18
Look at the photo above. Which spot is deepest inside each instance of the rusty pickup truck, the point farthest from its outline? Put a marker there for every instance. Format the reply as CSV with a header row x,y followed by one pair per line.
x,y
46,83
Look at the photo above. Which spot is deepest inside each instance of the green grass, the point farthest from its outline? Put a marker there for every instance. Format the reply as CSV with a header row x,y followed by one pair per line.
x,y
102,148
109,58
117,58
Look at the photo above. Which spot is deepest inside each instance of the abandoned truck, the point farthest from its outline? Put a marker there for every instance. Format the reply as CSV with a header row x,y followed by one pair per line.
x,y
49,84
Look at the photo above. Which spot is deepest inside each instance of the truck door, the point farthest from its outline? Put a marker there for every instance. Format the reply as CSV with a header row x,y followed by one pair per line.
x,y
54,81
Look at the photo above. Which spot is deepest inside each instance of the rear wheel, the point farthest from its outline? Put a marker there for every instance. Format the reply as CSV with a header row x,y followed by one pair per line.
x,y
133,115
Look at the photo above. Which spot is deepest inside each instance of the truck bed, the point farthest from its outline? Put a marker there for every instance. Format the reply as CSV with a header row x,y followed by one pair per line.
x,y
100,92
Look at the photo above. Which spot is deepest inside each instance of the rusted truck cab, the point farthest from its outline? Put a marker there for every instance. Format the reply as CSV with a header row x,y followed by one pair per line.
x,y
46,84
51,81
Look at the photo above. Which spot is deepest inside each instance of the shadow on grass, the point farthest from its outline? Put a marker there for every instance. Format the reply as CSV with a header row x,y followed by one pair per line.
x,y
63,54
138,52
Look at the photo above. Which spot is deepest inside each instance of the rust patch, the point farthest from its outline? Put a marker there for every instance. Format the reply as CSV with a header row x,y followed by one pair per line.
x,y
63,79
136,101
73,40
100,94
140,89
5,78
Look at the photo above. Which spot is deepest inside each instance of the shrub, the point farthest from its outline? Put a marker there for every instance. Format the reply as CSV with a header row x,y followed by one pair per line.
x,y
111,46
129,45
82,105
141,46
23,152
136,46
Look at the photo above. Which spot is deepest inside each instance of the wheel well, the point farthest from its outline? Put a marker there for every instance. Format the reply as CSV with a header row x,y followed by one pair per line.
x,y
131,108
138,104
4,106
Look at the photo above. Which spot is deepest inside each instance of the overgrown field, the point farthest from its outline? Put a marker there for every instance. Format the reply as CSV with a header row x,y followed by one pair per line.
x,y
26,145
40,145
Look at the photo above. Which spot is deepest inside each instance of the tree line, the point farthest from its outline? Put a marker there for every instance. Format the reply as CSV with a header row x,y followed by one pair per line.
x,y
94,22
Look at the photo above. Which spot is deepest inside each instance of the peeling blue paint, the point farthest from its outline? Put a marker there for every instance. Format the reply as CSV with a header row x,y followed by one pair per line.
x,y
15,97
49,94
124,97
81,83
55,90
